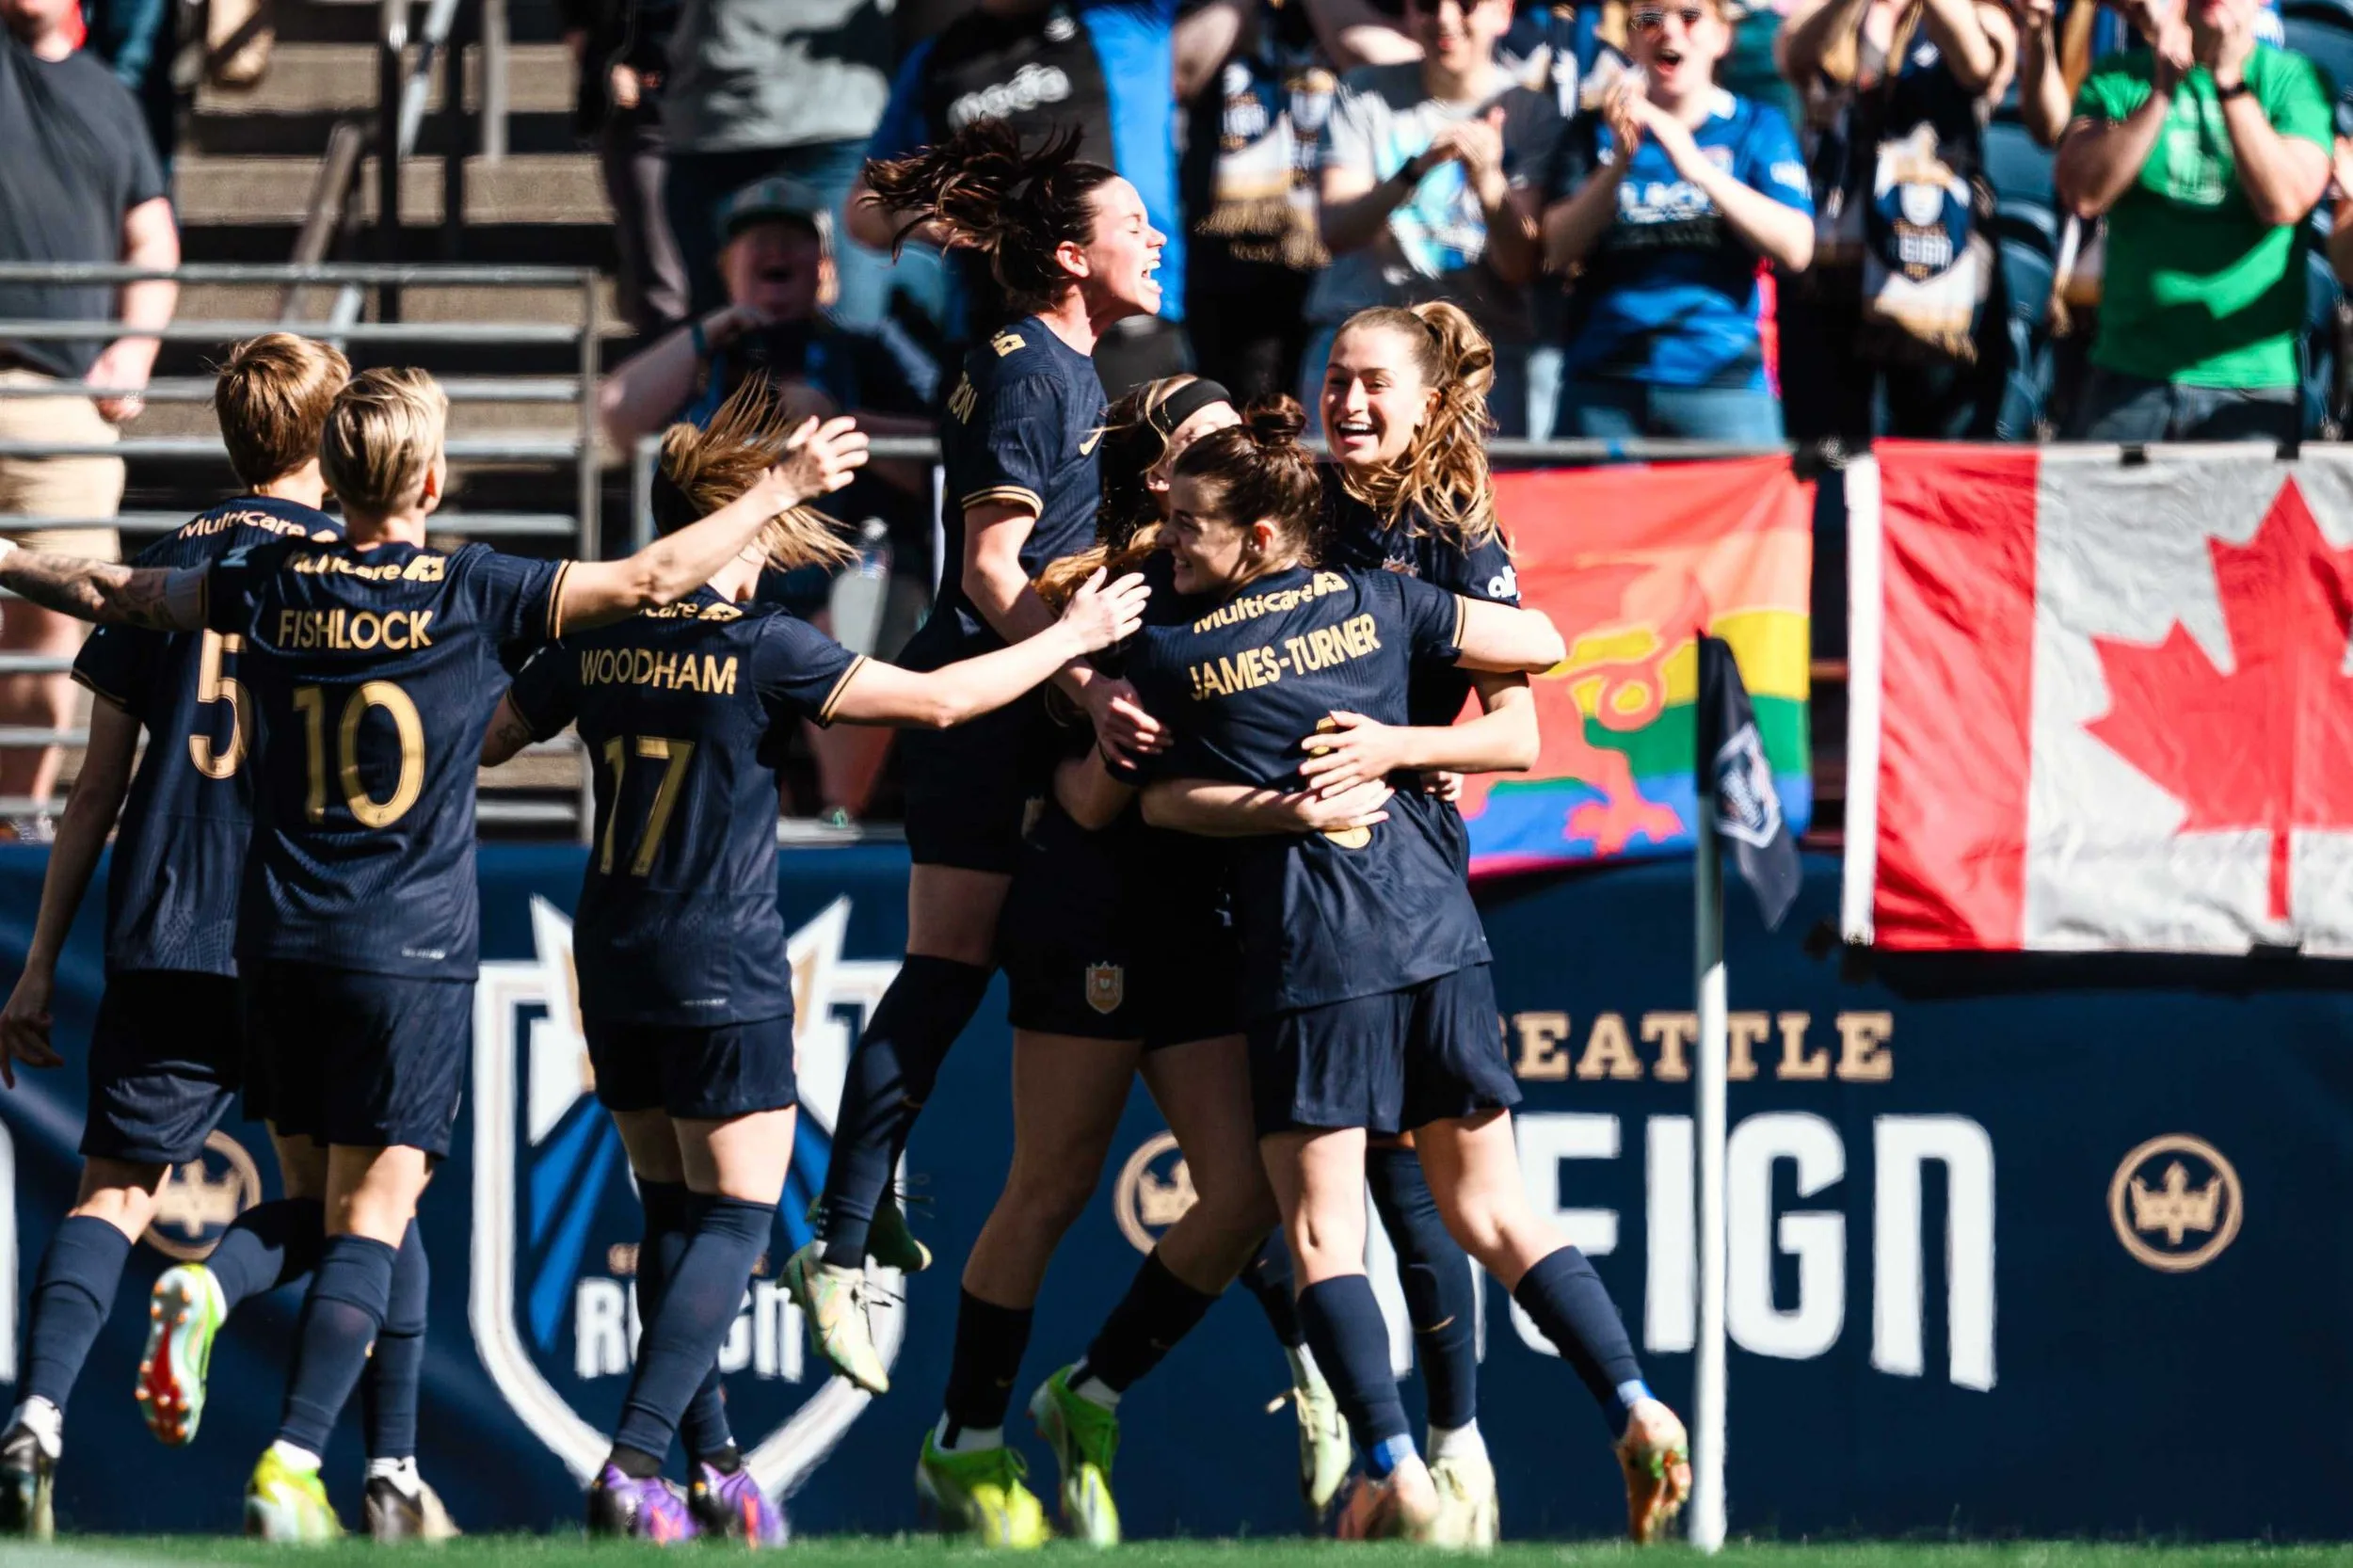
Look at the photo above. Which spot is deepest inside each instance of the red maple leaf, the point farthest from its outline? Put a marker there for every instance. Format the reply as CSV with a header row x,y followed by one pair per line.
x,y
2270,745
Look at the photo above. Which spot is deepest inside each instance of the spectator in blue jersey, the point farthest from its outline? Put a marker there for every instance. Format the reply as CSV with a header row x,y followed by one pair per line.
x,y
1106,66
1433,173
1670,199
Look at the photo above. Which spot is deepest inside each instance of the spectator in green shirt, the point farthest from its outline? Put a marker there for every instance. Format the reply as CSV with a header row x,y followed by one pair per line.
x,y
2205,153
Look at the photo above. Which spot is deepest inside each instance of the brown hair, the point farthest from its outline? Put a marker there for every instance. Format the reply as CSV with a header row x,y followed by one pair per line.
x,y
703,470
382,437
1014,207
1127,519
272,396
1442,481
1257,471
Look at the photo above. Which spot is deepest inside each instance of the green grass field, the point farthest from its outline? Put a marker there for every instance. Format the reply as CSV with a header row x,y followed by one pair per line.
x,y
513,1551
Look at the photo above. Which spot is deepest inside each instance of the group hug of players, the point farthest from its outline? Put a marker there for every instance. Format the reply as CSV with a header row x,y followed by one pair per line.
x,y
1182,749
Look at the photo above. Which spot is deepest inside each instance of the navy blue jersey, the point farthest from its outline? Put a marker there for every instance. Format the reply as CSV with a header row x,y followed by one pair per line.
x,y
1022,427
373,675
686,711
171,888
1434,693
1321,917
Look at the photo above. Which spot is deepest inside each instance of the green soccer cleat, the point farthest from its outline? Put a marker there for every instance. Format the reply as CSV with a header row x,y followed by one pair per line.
x,y
284,1504
833,1303
1325,1448
1084,1436
981,1494
28,1473
185,1311
890,1243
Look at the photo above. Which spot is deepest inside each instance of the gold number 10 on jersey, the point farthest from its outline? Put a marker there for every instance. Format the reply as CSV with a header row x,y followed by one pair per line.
x,y
675,754
310,702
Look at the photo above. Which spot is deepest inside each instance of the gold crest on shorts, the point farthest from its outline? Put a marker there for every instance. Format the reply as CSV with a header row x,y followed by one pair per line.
x,y
1106,987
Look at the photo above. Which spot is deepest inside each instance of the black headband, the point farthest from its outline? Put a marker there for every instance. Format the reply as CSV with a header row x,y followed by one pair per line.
x,y
1185,402
673,508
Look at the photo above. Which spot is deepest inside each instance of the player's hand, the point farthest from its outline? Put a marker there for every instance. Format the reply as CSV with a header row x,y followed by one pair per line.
x,y
1358,806
24,1027
1122,727
1442,785
1351,749
818,460
1105,612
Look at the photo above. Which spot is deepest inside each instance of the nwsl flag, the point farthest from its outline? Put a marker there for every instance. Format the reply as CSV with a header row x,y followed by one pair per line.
x,y
2101,706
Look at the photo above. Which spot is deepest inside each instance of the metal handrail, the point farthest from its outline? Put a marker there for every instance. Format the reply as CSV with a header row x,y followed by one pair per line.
x,y
199,389
421,274
473,525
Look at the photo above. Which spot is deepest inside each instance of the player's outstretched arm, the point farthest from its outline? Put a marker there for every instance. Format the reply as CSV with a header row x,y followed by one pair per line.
x,y
1098,615
821,460
1503,739
509,732
1507,640
108,592
89,815
1214,811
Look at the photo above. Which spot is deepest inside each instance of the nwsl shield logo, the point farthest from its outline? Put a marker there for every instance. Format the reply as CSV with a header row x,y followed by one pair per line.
x,y
554,1302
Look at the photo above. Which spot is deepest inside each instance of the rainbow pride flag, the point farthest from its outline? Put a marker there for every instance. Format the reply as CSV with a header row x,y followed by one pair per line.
x,y
1631,563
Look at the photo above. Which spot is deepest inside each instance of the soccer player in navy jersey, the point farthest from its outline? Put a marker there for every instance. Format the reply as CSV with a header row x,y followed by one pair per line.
x,y
366,662
1070,242
1365,986
685,989
166,1054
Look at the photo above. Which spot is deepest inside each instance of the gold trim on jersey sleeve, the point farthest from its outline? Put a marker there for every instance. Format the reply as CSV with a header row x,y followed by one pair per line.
x,y
80,679
555,601
1461,617
833,698
1029,498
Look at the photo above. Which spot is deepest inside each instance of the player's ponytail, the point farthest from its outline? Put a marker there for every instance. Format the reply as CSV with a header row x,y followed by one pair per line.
x,y
1258,471
703,470
1014,207
1441,481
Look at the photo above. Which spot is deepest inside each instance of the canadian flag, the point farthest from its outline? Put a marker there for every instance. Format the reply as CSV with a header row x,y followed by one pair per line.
x,y
2100,703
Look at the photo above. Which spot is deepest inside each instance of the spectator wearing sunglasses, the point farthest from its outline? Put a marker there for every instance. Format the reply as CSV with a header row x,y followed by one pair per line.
x,y
1671,200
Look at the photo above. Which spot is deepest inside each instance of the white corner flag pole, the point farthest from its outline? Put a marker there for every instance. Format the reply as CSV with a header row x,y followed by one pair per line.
x,y
1708,1401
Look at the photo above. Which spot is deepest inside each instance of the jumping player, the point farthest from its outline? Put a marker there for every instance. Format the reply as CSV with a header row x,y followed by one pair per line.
x,y
1366,991
685,990
366,663
167,1053
1071,245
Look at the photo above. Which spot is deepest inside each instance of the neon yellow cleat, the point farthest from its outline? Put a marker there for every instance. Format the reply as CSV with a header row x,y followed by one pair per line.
x,y
1084,1436
981,1494
1468,1516
1402,1506
833,1303
1655,1455
185,1311
890,1243
282,1503
1325,1449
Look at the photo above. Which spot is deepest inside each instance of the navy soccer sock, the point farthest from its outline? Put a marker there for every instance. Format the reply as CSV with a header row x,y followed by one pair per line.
x,y
1352,1345
1441,1296
387,1394
890,1077
269,1246
1568,1303
987,1357
1158,1311
1268,1278
79,1272
345,1306
704,1426
699,1303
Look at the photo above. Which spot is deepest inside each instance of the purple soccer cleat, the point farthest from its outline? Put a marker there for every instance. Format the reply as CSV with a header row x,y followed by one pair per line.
x,y
646,1510
730,1504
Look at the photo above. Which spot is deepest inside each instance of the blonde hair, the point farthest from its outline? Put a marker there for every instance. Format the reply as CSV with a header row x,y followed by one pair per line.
x,y
1127,520
1442,481
272,397
383,437
703,470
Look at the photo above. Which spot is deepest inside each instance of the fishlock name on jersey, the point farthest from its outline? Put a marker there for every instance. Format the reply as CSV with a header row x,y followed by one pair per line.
x,y
671,672
417,569
204,528
1316,649
1250,606
345,630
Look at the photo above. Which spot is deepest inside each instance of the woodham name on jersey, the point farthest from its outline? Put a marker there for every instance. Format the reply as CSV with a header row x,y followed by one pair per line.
x,y
643,666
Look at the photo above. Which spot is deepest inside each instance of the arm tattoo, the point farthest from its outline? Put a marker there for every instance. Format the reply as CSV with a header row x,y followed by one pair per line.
x,y
509,733
103,591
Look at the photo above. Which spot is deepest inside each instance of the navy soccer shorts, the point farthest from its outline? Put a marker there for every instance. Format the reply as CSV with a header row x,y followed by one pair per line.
x,y
166,1059
356,1060
1386,1063
972,791
694,1072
